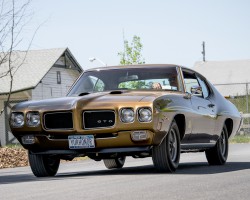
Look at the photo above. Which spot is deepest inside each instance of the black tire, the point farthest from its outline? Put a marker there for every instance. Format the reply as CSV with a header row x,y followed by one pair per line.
x,y
43,165
166,156
114,163
218,154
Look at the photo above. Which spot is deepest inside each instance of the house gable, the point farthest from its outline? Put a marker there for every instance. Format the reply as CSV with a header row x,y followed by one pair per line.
x,y
30,67
43,74
55,83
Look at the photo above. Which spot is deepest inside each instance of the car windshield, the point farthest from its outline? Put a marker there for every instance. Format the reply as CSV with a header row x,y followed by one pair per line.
x,y
126,79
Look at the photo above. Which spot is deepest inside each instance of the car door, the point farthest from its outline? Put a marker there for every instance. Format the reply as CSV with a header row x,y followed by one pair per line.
x,y
202,117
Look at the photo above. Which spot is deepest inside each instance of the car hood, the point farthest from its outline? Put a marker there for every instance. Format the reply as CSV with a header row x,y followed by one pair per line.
x,y
93,99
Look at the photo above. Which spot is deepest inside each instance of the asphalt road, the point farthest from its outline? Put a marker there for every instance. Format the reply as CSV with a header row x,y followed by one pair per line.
x,y
137,180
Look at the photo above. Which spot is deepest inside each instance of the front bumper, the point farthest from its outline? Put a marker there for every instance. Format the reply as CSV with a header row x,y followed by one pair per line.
x,y
122,150
119,140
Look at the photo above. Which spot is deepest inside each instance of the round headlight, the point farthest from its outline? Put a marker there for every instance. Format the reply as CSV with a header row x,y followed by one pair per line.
x,y
33,119
145,115
127,115
17,120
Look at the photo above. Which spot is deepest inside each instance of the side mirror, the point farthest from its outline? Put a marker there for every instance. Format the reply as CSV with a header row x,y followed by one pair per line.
x,y
196,90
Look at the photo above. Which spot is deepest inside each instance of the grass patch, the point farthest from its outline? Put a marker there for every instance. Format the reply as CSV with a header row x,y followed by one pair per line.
x,y
14,146
240,139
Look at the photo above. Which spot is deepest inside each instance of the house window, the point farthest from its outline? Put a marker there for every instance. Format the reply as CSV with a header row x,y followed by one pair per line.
x,y
58,75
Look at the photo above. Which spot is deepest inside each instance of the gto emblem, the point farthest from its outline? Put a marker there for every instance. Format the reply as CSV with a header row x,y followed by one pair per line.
x,y
104,121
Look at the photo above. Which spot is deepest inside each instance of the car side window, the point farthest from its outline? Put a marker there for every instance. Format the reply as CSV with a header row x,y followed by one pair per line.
x,y
204,87
194,80
190,80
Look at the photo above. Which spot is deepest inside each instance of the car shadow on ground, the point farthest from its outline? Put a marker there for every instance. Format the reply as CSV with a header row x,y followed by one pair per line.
x,y
203,168
199,168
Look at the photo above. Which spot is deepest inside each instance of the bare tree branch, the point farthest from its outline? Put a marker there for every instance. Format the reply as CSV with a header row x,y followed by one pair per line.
x,y
13,19
10,54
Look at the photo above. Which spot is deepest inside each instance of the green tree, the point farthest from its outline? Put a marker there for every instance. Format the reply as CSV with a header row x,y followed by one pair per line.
x,y
132,55
132,52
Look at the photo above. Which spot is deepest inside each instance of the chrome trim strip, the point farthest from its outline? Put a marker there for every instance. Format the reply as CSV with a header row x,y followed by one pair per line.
x,y
197,145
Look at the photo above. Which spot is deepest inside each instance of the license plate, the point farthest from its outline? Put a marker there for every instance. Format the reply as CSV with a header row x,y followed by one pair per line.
x,y
81,141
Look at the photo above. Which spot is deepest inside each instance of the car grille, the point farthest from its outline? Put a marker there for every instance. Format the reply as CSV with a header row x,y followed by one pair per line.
x,y
58,120
98,119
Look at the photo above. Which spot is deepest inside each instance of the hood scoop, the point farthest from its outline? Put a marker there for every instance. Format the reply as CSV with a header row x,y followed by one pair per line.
x,y
116,92
83,94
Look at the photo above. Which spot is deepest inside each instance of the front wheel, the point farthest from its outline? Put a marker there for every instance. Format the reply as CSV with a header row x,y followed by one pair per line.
x,y
115,162
218,154
166,156
43,165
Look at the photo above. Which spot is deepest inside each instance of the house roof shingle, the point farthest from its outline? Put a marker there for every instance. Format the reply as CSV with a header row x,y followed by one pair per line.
x,y
29,68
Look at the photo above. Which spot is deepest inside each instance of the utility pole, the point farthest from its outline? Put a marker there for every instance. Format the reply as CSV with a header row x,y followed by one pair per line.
x,y
203,51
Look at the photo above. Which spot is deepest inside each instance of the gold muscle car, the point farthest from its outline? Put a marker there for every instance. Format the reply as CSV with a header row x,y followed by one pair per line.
x,y
139,110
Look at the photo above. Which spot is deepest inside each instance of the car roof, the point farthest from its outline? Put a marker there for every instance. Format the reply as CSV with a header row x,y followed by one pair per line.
x,y
133,66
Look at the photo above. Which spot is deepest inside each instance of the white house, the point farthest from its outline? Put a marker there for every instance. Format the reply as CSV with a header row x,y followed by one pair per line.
x,y
38,74
231,78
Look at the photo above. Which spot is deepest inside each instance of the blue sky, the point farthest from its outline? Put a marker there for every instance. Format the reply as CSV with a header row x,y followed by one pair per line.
x,y
171,31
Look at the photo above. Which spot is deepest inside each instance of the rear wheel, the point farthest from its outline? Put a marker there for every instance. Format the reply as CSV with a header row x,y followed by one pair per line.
x,y
166,156
43,165
115,162
218,154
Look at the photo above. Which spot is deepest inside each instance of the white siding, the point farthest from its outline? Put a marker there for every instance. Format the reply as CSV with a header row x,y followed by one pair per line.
x,y
49,88
15,98
2,124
